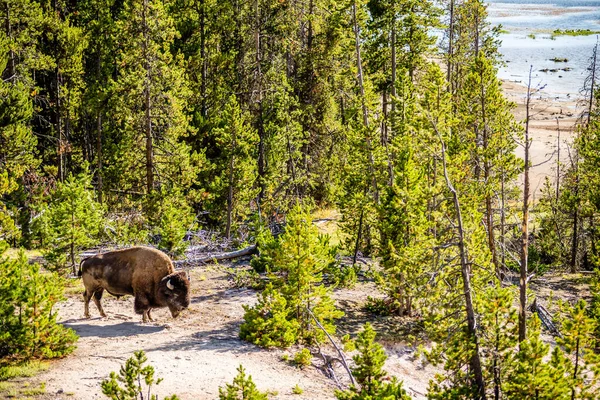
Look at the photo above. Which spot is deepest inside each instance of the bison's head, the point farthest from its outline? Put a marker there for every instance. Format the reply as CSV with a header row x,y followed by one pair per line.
x,y
175,289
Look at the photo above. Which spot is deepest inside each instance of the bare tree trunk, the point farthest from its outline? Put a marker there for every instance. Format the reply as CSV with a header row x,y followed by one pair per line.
x,y
364,104
99,154
230,191
10,70
475,362
450,47
203,56
525,227
147,105
259,120
592,83
358,237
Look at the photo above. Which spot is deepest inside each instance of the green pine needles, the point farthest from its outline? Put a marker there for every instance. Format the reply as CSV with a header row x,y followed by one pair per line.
x,y
28,327
369,373
281,317
242,388
137,378
72,221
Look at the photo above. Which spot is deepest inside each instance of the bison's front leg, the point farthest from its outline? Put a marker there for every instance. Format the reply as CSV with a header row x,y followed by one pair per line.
x,y
142,306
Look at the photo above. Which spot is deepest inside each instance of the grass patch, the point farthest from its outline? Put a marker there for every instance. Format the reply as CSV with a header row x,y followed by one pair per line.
x,y
13,253
531,36
24,370
37,391
574,32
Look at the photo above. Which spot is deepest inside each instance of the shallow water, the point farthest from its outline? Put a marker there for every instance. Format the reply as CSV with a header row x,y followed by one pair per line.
x,y
529,43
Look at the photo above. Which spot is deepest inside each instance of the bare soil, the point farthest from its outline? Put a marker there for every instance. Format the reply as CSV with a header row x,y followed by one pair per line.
x,y
199,351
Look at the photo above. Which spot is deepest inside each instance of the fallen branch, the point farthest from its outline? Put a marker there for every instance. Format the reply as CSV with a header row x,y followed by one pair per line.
x,y
545,318
340,352
218,257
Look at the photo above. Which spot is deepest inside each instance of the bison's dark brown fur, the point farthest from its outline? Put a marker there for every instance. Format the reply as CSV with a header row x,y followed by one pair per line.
x,y
143,272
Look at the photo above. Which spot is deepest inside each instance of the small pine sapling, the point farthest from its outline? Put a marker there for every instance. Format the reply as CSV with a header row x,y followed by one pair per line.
x,y
137,378
242,388
281,317
369,372
72,221
28,327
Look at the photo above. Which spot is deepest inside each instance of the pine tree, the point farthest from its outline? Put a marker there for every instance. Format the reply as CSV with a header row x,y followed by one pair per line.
x,y
72,221
28,327
369,372
242,388
147,106
233,167
132,374
284,313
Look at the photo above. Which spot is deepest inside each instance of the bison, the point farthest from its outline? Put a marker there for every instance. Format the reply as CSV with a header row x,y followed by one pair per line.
x,y
143,272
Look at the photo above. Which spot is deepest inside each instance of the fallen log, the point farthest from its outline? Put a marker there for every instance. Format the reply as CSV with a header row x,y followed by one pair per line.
x,y
545,318
218,257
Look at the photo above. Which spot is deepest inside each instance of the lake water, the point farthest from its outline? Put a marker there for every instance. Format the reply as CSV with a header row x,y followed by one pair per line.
x,y
529,41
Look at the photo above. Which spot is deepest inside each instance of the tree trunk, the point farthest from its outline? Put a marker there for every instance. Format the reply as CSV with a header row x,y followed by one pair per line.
x,y
525,227
230,191
364,104
475,361
203,56
147,105
10,70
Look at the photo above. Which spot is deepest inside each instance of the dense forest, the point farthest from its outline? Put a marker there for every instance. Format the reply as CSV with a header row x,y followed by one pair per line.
x,y
142,121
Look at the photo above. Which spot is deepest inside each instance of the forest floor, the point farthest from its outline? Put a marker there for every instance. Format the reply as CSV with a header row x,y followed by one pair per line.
x,y
199,352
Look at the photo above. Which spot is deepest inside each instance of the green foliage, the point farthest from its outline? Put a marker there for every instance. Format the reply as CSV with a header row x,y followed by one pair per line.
x,y
242,388
175,218
269,322
531,376
297,390
369,372
282,316
303,358
28,327
72,221
137,378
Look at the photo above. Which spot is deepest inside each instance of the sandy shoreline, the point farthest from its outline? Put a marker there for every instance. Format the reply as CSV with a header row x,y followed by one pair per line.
x,y
548,113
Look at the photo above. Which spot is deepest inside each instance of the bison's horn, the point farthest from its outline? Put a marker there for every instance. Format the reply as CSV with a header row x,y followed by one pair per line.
x,y
169,286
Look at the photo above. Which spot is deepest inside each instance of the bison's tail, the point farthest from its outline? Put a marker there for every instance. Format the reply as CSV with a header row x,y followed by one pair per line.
x,y
79,273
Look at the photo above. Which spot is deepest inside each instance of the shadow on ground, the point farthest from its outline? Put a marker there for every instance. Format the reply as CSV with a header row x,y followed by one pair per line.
x,y
110,331
223,340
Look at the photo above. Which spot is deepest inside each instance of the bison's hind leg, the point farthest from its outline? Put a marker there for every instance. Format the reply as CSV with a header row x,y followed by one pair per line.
x,y
97,297
86,304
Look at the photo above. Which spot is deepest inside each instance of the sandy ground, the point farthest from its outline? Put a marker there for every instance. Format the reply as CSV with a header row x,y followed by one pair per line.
x,y
548,115
200,351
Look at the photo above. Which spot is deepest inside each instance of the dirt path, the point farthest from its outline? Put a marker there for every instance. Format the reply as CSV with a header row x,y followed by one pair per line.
x,y
199,351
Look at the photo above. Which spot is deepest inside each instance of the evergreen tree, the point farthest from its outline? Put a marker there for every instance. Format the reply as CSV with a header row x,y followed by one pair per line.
x,y
28,327
72,221
284,315
242,388
17,142
369,372
233,167
132,374
147,105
